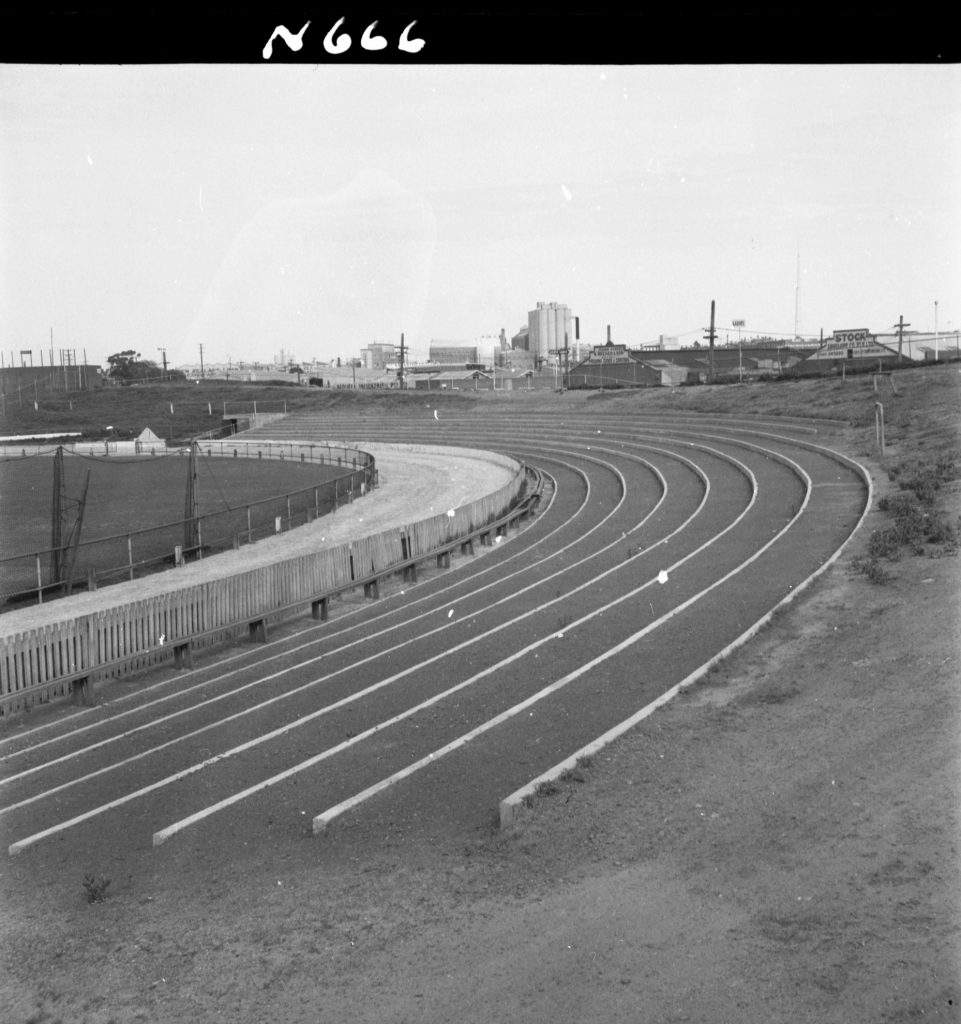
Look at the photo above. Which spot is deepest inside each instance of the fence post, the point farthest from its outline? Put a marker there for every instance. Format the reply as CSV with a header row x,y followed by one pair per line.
x,y
130,555
39,582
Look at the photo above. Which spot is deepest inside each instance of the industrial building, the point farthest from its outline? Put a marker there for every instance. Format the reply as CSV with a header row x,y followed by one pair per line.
x,y
550,328
453,353
615,366
858,350
379,355
846,351
522,340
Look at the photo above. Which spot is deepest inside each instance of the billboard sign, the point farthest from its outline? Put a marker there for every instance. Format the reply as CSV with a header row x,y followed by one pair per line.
x,y
853,343
609,354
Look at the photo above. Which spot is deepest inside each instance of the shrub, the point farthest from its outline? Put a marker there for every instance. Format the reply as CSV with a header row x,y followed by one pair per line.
x,y
873,569
96,888
925,487
884,544
940,531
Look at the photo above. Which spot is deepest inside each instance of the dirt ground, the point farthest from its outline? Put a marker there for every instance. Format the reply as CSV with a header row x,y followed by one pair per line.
x,y
778,844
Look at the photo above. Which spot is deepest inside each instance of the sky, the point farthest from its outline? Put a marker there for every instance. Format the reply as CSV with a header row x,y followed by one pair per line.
x,y
311,210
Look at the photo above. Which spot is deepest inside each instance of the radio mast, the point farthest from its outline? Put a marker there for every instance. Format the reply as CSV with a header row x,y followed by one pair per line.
x,y
797,293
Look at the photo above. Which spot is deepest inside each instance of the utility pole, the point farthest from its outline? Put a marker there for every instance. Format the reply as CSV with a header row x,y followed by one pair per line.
x,y
400,372
201,359
163,353
710,337
901,326
192,505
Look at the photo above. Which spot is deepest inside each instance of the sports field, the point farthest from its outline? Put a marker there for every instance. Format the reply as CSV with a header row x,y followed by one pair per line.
x,y
127,495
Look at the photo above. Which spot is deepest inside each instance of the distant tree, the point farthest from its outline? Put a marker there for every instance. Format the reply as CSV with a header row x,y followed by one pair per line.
x,y
127,366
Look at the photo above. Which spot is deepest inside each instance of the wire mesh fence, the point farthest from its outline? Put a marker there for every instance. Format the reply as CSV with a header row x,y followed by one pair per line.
x,y
341,474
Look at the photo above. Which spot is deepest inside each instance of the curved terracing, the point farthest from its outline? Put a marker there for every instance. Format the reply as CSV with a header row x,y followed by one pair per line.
x,y
426,495
666,543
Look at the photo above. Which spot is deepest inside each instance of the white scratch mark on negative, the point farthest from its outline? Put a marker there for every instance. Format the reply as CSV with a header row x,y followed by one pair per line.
x,y
451,513
436,417
450,614
566,193
662,576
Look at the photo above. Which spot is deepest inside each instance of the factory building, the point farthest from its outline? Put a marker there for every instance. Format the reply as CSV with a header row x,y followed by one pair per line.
x,y
379,355
521,342
453,353
854,350
614,366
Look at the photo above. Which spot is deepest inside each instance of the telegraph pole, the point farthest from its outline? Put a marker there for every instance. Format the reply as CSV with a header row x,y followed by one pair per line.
x,y
163,352
201,359
567,349
901,326
400,372
710,337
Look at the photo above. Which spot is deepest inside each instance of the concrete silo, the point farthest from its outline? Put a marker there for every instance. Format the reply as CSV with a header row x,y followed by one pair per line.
x,y
548,327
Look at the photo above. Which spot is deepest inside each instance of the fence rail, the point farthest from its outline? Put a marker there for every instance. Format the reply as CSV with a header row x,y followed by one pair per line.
x,y
51,661
107,560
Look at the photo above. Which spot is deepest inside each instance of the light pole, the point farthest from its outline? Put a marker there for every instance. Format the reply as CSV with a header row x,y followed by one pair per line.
x,y
740,362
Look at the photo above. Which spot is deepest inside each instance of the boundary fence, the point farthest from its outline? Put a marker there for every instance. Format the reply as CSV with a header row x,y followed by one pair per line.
x,y
64,657
126,556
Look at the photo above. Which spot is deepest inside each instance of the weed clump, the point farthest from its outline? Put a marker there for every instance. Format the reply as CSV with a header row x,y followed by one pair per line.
x,y
96,888
873,569
941,531
926,479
